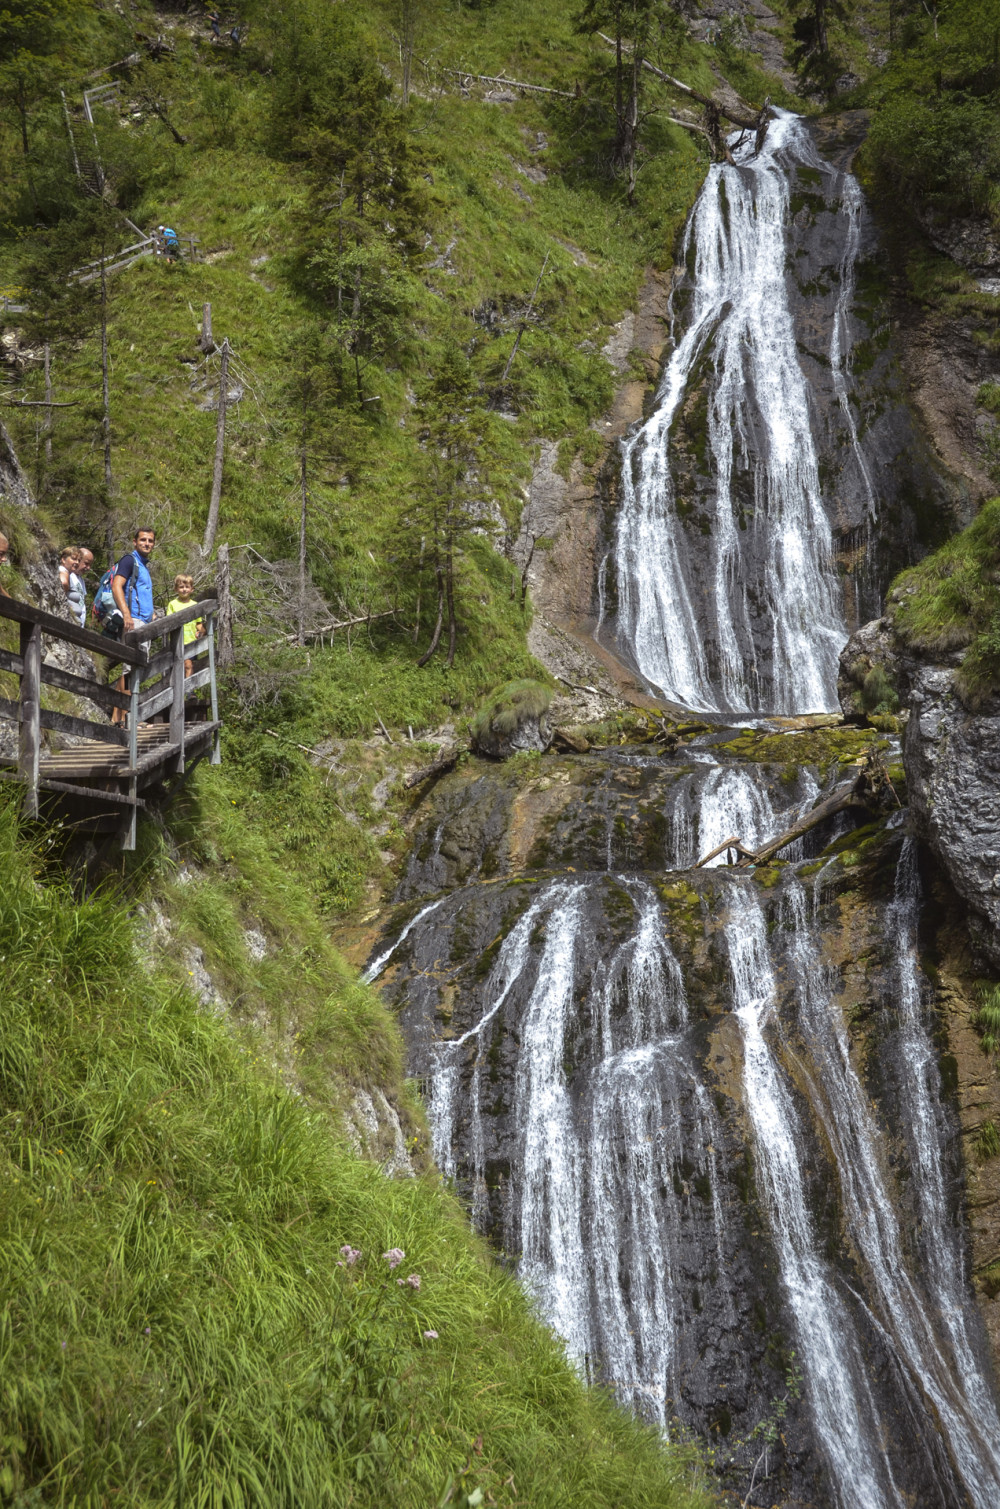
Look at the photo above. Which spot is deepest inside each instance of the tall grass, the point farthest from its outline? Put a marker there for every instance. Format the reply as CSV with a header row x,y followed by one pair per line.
x,y
178,1324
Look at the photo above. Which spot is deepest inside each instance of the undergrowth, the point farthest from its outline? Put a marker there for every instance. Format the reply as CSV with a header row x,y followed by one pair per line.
x,y
950,601
183,1316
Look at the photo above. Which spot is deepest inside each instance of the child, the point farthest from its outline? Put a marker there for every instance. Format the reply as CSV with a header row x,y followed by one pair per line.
x,y
184,587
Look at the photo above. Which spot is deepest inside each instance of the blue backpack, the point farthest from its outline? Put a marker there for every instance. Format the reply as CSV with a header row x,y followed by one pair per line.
x,y
104,598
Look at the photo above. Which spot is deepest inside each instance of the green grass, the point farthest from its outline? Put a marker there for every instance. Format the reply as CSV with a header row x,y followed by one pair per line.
x,y
951,601
987,1017
175,1326
510,706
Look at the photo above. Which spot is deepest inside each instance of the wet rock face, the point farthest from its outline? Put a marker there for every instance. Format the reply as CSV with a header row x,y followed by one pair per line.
x,y
682,1101
952,759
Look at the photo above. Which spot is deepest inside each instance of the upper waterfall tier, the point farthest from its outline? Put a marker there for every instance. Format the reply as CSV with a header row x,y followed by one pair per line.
x,y
727,591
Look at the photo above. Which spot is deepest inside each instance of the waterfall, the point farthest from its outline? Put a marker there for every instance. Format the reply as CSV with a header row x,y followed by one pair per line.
x,y
838,1392
749,619
606,1256
726,800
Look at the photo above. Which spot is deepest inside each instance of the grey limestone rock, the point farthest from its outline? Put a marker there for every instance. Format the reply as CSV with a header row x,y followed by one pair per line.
x,y
952,759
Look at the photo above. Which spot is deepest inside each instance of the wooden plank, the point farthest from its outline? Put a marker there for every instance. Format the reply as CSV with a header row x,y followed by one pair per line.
x,y
161,626
58,628
64,723
197,680
155,702
116,798
95,691
177,700
30,739
10,662
163,660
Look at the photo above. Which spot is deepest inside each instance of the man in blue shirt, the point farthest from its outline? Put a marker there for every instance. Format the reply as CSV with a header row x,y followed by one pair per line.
x,y
132,590
132,585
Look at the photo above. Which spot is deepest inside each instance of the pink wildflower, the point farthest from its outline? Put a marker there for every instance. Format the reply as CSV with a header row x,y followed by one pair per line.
x,y
414,1280
350,1254
430,1336
394,1256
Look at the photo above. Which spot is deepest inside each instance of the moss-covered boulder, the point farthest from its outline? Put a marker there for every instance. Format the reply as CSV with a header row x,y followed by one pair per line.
x,y
514,718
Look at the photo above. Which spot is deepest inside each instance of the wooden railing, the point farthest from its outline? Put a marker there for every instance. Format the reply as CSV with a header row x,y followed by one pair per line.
x,y
168,691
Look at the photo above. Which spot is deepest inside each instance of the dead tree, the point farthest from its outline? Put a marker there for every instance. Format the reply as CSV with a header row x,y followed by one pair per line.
x,y
220,446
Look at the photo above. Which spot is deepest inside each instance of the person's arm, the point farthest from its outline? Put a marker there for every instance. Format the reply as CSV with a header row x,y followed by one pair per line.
x,y
119,589
64,578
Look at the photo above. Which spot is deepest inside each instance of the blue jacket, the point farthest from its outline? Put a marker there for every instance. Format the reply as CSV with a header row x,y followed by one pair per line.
x,y
138,594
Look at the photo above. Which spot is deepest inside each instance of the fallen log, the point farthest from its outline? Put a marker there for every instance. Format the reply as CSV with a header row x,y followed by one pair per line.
x,y
847,796
444,762
730,843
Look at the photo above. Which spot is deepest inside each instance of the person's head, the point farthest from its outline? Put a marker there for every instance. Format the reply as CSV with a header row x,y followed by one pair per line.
x,y
144,540
69,557
4,551
184,587
86,559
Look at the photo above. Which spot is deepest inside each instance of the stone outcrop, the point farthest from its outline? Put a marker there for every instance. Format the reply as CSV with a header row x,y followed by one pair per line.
x,y
952,759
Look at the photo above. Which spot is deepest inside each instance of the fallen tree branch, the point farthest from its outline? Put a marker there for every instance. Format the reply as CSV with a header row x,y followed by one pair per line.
x,y
738,117
730,843
444,762
488,78
343,623
839,801
40,403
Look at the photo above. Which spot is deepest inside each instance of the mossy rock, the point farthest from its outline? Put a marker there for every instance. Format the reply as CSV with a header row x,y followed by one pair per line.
x,y
513,720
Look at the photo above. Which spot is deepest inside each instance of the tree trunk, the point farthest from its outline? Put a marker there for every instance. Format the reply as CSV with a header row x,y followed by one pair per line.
x,y
105,387
407,33
450,593
822,43
205,340
224,618
48,408
302,547
220,446
420,574
436,636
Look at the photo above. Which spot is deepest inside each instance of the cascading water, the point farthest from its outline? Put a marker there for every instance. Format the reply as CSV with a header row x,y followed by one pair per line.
x,y
747,617
643,1076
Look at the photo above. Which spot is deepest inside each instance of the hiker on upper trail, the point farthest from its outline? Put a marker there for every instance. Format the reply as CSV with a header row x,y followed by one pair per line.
x,y
72,583
4,562
170,247
184,588
213,21
132,585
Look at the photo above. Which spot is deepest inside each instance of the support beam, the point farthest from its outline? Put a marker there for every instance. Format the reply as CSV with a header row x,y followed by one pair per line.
x,y
30,714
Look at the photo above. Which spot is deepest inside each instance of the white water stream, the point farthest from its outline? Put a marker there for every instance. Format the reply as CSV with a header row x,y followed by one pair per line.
x,y
740,322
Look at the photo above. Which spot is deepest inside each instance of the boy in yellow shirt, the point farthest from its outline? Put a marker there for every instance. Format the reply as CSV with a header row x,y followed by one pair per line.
x,y
184,587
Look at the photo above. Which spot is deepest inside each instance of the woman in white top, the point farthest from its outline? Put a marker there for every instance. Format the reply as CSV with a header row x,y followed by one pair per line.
x,y
76,594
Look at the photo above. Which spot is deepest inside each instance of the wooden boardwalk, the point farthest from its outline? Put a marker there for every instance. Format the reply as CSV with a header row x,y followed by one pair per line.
x,y
90,770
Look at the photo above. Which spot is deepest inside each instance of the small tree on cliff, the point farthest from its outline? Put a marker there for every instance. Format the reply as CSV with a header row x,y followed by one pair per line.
x,y
813,57
451,498
635,28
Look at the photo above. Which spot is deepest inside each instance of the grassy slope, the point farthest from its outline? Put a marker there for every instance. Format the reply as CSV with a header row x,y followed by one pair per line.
x,y
175,1324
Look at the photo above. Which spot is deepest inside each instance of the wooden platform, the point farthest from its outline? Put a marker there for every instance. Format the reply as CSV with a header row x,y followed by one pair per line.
x,y
92,761
93,784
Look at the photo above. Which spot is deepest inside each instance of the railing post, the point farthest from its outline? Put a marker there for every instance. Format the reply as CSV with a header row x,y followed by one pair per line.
x,y
134,683
30,712
216,741
177,705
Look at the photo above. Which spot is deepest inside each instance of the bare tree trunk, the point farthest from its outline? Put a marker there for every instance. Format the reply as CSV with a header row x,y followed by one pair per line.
x,y
224,618
220,446
450,592
205,340
420,573
105,386
527,316
407,33
48,408
302,548
436,636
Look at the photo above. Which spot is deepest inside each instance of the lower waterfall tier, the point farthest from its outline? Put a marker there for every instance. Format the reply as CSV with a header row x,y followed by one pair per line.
x,y
716,1146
